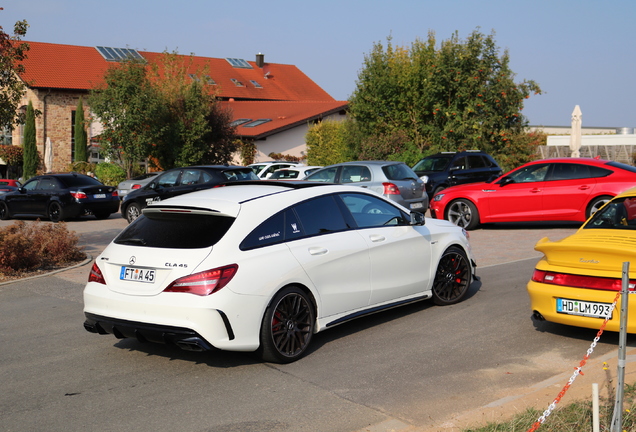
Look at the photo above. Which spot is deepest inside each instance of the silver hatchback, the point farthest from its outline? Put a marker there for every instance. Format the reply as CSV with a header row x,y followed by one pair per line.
x,y
393,180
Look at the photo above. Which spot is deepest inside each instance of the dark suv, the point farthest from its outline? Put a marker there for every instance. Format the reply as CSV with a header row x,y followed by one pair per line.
x,y
446,169
179,181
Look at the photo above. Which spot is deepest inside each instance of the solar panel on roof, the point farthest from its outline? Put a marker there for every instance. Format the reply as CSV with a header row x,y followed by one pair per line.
x,y
238,63
118,54
257,123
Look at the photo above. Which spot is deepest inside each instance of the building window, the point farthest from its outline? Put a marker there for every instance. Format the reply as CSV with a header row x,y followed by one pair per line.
x,y
73,135
237,82
206,79
6,136
23,110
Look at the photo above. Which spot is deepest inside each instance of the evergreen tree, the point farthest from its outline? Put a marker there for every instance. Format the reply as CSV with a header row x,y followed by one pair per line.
x,y
31,160
80,134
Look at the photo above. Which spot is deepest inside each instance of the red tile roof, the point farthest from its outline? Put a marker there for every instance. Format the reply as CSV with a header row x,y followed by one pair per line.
x,y
283,115
82,68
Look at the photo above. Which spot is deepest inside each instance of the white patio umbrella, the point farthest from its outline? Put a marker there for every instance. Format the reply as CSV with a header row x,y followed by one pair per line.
x,y
48,155
575,133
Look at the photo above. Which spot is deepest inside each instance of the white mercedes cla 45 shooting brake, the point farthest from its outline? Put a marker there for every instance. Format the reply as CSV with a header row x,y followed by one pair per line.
x,y
262,266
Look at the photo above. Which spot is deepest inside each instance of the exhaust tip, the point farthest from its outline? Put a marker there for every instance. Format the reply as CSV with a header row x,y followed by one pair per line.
x,y
537,316
193,344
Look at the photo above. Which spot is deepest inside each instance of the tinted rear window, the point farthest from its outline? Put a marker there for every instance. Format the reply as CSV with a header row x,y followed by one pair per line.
x,y
74,181
178,231
398,172
622,166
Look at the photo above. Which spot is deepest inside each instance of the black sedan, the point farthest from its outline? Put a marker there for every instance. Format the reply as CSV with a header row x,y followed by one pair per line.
x,y
179,181
59,197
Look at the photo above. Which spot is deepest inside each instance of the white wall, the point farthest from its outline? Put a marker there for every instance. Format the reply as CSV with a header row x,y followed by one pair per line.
x,y
290,141
594,140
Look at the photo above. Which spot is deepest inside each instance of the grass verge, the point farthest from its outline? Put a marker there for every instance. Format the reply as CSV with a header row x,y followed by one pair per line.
x,y
575,417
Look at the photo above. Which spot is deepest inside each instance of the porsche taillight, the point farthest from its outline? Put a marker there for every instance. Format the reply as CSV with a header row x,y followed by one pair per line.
x,y
96,275
204,283
580,281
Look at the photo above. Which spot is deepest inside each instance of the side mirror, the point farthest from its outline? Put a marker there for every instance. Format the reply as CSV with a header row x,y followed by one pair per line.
x,y
417,218
506,180
21,189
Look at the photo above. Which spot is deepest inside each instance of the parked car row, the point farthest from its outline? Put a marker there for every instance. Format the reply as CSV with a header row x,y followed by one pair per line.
x,y
59,197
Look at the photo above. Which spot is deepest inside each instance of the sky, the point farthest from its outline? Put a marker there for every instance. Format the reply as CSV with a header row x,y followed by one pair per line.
x,y
579,52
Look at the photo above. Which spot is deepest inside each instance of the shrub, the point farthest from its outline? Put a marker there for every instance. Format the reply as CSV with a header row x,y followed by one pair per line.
x,y
37,246
82,167
110,174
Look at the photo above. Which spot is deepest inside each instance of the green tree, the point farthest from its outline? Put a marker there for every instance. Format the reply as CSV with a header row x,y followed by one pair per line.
x,y
31,160
12,52
455,96
81,139
329,142
195,129
129,108
164,111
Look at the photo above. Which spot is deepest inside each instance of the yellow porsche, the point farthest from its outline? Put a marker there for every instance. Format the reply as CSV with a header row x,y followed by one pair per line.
x,y
578,278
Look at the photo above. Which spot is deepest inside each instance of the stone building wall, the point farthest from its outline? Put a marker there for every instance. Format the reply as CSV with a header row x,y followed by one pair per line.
x,y
56,108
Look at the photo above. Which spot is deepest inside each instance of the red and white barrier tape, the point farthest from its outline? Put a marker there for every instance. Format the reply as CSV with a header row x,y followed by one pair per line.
x,y
577,371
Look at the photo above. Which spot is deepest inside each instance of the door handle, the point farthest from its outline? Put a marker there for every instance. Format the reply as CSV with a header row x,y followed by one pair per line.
x,y
317,251
535,190
584,187
377,238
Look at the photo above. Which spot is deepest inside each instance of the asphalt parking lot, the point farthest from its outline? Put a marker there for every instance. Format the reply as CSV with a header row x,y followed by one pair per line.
x,y
355,390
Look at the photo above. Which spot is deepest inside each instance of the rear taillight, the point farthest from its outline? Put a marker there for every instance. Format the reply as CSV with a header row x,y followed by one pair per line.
x,y
96,275
391,189
580,281
78,195
204,283
115,193
136,186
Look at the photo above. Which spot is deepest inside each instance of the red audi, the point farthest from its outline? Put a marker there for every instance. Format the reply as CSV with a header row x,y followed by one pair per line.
x,y
564,189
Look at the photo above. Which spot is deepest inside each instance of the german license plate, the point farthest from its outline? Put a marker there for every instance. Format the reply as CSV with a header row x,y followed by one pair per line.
x,y
584,308
416,205
97,196
137,274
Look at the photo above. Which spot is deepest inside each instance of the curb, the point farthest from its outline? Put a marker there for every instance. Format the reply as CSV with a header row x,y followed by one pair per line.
x,y
87,260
